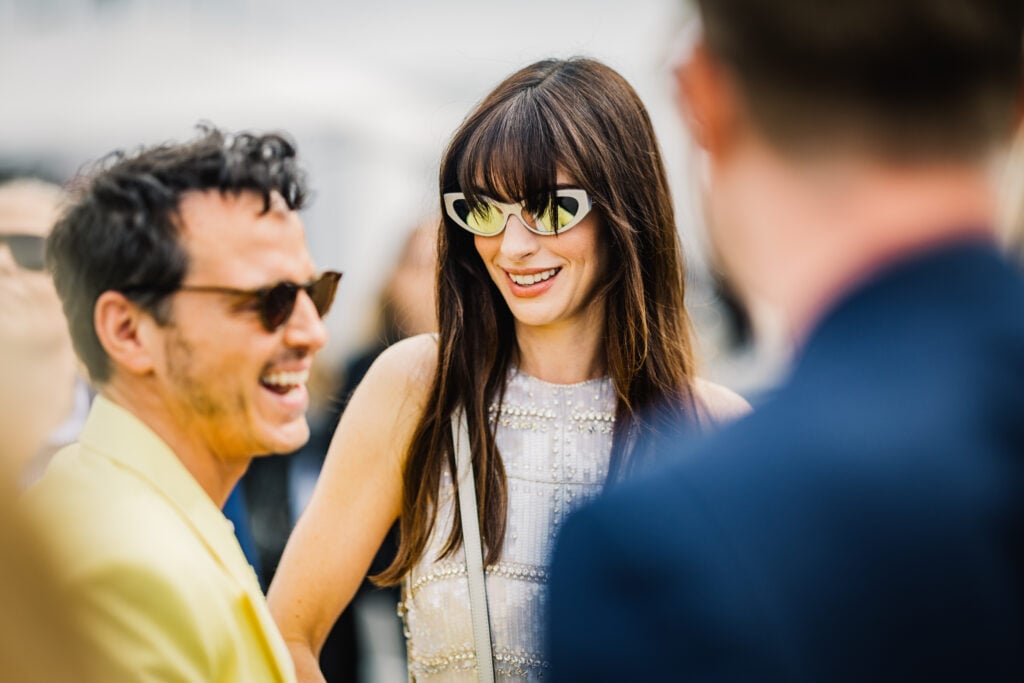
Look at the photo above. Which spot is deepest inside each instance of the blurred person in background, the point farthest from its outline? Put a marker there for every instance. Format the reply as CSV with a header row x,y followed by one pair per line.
x,y
278,488
560,307
195,306
408,304
407,308
38,373
866,522
36,355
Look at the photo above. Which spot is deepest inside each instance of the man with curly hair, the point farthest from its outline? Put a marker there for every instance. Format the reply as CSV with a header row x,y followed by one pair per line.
x,y
196,308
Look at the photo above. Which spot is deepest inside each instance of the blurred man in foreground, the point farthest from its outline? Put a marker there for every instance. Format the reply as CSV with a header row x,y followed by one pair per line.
x,y
866,523
37,368
196,308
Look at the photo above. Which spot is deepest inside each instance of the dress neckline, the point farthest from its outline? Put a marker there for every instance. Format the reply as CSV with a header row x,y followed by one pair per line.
x,y
573,385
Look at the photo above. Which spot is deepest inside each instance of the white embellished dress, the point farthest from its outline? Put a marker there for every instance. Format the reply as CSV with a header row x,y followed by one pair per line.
x,y
555,441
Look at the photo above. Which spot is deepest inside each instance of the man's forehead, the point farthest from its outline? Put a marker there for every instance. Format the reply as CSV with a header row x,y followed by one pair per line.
x,y
246,203
231,239
238,218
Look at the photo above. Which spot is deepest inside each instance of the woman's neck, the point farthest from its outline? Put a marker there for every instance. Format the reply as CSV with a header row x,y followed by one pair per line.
x,y
563,354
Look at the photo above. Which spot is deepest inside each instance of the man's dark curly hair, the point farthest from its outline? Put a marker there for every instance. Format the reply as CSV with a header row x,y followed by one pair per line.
x,y
121,231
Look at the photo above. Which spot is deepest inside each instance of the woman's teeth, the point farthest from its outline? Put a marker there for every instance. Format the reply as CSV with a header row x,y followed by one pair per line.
x,y
533,278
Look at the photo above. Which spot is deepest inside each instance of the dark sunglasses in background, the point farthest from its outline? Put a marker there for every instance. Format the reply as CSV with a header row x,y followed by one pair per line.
x,y
275,303
26,249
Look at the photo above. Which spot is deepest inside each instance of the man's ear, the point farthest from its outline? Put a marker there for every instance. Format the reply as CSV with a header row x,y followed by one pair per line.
x,y
1020,109
121,326
707,97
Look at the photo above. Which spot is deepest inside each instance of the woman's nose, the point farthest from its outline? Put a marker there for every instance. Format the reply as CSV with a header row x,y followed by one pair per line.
x,y
517,242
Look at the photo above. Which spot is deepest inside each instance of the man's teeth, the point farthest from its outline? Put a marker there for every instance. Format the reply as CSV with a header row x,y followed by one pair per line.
x,y
532,279
286,379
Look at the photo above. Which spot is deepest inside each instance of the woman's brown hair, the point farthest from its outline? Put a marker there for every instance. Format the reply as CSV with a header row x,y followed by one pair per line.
x,y
582,117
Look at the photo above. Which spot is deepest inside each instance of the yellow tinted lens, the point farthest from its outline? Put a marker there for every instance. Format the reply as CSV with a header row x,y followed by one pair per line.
x,y
486,219
564,217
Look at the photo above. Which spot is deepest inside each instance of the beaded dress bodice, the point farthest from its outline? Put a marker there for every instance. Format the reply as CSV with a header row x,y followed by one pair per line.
x,y
555,442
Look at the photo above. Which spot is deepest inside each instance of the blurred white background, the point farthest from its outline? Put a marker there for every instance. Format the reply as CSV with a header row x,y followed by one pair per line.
x,y
371,91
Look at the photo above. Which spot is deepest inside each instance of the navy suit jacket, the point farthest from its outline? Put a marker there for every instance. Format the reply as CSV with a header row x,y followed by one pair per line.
x,y
865,524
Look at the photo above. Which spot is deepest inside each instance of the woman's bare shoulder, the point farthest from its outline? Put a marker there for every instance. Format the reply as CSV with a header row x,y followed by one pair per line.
x,y
379,420
411,362
719,403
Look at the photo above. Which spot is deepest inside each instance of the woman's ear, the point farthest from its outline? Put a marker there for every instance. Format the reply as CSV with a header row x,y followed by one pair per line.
x,y
119,326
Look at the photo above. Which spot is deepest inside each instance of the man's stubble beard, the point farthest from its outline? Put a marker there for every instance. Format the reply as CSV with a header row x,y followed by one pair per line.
x,y
181,373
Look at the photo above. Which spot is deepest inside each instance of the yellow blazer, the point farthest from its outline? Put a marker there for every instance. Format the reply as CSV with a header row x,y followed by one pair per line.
x,y
166,592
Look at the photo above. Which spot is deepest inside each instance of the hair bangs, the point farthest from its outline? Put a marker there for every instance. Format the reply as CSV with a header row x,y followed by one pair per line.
x,y
511,156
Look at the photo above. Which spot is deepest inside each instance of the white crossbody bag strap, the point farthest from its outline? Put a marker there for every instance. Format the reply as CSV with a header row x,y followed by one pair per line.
x,y
473,548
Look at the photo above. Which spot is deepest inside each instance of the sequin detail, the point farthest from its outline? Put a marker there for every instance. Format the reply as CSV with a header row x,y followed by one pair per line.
x,y
447,570
512,663
527,418
555,442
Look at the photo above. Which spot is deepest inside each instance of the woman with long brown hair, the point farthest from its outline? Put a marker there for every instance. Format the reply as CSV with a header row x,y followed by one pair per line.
x,y
562,333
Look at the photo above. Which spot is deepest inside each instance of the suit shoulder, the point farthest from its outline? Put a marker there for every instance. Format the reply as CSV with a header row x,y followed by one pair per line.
x,y
148,590
143,613
99,513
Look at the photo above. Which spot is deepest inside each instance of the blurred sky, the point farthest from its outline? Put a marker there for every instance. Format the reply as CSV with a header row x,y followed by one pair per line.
x,y
370,90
